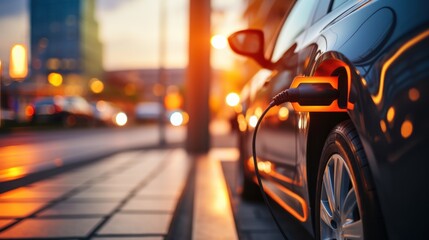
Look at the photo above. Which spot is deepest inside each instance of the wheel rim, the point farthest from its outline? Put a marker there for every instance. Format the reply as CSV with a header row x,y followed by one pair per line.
x,y
340,215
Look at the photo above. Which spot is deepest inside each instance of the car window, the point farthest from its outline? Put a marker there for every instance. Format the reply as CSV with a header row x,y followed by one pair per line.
x,y
322,9
337,3
294,24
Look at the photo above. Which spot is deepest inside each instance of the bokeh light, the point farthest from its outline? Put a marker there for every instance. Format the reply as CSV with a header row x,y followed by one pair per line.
x,y
219,41
55,79
18,68
253,120
232,99
96,85
176,119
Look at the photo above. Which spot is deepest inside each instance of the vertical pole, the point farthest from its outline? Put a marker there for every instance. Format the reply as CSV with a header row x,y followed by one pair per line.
x,y
1,81
161,72
199,75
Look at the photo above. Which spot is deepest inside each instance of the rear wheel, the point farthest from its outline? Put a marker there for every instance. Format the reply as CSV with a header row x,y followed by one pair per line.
x,y
68,120
249,189
346,206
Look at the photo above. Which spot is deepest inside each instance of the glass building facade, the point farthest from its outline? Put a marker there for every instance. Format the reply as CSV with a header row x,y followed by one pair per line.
x,y
64,40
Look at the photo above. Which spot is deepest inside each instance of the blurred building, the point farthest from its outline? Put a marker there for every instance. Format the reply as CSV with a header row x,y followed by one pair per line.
x,y
143,83
126,88
65,49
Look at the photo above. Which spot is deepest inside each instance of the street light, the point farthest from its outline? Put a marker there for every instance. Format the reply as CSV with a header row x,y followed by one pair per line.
x,y
18,68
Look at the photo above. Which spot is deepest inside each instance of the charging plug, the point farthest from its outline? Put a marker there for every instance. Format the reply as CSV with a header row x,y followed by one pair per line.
x,y
316,94
308,94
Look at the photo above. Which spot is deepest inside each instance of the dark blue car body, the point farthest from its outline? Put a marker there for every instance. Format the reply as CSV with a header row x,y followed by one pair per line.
x,y
382,47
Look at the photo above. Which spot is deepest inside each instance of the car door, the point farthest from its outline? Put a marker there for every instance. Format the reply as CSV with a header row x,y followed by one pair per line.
x,y
277,135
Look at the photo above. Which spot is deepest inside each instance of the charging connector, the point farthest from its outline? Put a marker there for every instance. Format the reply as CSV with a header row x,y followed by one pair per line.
x,y
308,94
318,95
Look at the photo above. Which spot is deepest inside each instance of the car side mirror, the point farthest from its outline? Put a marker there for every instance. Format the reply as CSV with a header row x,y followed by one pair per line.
x,y
250,43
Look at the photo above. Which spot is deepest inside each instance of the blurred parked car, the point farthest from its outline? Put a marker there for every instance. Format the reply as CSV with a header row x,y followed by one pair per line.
x,y
105,113
151,111
357,168
67,111
148,111
7,117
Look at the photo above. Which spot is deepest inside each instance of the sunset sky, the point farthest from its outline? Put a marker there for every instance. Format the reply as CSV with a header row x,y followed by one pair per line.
x,y
129,30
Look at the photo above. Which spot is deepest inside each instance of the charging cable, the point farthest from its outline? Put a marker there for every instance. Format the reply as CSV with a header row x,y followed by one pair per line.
x,y
306,94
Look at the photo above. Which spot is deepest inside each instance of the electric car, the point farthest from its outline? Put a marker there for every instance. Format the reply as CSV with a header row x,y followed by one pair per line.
x,y
357,166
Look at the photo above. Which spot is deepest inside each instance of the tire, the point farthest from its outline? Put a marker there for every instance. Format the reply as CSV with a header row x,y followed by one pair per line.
x,y
68,120
249,189
346,204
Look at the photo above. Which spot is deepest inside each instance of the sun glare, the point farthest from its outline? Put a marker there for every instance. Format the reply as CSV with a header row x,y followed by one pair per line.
x,y
219,41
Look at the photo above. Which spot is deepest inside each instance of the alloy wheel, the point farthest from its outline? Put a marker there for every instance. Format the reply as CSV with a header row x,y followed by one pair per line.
x,y
340,214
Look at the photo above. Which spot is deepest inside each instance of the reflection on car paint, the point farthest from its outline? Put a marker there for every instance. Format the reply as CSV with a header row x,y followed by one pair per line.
x,y
379,95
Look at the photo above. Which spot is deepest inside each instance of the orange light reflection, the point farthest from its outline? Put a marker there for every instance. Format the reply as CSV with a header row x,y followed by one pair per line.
x,y
383,126
414,94
12,173
377,98
390,114
16,159
272,172
300,216
406,129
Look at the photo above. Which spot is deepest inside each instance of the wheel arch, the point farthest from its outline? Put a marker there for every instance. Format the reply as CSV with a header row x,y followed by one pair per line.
x,y
321,123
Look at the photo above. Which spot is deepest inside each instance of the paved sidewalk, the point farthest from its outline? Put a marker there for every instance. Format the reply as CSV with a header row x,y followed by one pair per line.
x,y
131,195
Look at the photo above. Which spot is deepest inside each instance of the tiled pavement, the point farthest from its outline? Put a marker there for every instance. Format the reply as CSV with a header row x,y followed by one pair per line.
x,y
134,195
131,195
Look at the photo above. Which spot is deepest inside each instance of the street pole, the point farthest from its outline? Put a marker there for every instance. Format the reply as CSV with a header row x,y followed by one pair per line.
x,y
161,72
198,77
1,81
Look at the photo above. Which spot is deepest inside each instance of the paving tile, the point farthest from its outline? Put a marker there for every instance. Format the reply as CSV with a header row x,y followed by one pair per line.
x,y
56,181
127,238
163,204
122,181
50,188
109,188
9,209
83,208
27,193
51,228
5,222
93,200
72,180
98,195
53,183
159,192
123,223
